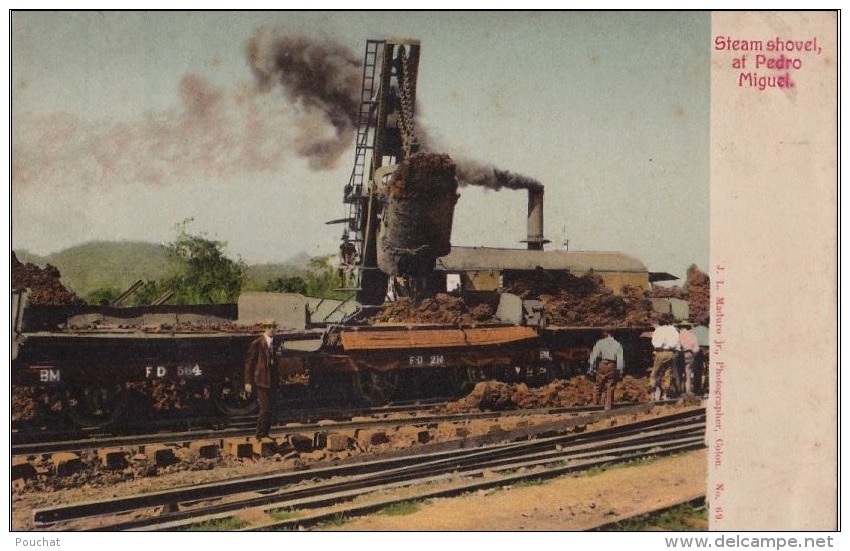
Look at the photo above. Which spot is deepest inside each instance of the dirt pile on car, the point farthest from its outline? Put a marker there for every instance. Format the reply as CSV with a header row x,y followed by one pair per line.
x,y
440,309
45,284
699,299
568,301
584,301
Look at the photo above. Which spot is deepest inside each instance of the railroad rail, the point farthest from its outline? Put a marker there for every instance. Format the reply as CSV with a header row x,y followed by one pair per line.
x,y
342,419
696,501
330,490
288,412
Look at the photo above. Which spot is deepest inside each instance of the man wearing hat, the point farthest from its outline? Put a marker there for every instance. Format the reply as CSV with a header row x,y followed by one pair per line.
x,y
261,376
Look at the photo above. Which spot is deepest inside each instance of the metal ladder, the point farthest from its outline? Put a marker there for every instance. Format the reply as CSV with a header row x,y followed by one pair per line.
x,y
356,192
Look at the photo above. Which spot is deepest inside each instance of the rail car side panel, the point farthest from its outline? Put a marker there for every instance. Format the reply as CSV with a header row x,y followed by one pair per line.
x,y
75,358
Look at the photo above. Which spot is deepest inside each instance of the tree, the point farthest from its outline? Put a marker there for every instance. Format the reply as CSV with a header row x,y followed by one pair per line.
x,y
322,279
294,284
319,280
205,275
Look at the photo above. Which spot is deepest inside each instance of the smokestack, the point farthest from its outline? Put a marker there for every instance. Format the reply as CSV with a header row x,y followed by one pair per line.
x,y
535,237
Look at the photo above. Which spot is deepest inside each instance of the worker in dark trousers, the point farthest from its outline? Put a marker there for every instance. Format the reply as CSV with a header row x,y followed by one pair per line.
x,y
665,342
691,356
606,364
261,376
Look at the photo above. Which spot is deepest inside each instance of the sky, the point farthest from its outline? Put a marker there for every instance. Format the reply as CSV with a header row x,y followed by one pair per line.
x,y
125,124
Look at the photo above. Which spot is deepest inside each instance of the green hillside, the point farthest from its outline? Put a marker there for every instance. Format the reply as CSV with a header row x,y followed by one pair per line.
x,y
118,264
105,264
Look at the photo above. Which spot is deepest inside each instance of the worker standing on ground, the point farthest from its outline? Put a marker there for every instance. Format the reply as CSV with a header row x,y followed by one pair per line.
x,y
665,342
690,355
606,364
261,376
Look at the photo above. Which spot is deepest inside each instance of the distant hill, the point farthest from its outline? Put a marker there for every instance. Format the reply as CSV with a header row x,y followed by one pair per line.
x,y
119,264
104,264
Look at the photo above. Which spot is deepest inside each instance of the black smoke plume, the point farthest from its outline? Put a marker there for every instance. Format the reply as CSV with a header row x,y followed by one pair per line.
x,y
476,174
322,76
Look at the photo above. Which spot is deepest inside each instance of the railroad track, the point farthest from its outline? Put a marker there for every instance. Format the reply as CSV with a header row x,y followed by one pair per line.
x,y
28,436
307,498
245,427
28,443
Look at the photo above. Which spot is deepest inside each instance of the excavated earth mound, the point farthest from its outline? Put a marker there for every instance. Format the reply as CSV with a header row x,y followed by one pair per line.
x,y
442,308
568,300
584,301
699,287
578,391
44,284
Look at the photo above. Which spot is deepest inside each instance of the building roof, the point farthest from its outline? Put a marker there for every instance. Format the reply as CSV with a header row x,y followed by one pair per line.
x,y
463,259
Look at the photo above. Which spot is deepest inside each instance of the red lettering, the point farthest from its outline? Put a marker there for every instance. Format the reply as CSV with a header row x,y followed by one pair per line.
x,y
781,62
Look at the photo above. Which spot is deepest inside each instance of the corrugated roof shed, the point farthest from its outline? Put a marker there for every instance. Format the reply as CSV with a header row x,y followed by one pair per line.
x,y
482,258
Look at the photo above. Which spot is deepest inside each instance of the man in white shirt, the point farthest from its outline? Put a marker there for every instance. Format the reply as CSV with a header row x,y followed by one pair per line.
x,y
606,364
665,341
